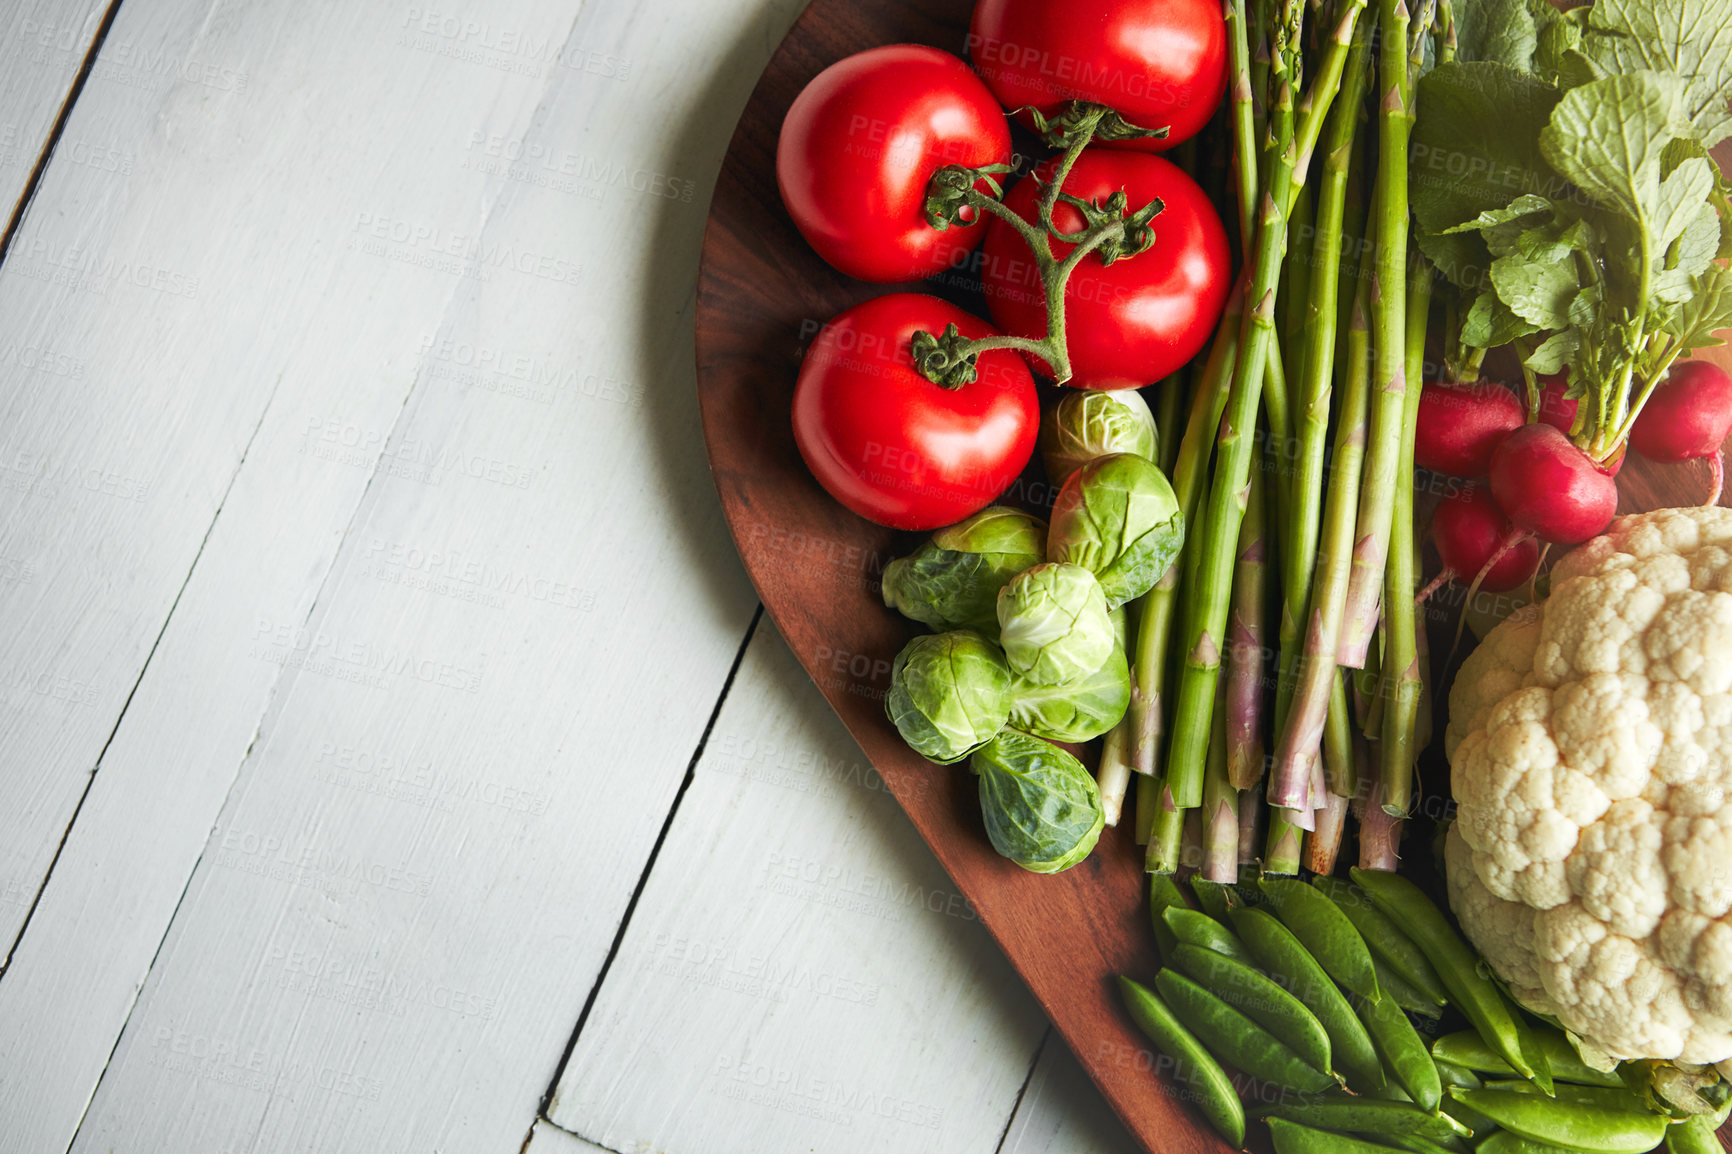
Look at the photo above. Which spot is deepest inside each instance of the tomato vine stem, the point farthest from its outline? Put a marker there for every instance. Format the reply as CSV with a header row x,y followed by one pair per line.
x,y
1111,231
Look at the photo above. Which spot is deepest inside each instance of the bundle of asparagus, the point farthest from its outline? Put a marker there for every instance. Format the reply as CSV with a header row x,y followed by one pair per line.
x,y
1329,287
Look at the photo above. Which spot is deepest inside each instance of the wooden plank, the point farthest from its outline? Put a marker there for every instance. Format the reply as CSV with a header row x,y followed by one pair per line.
x,y
799,973
42,45
1062,1111
176,291
475,717
269,321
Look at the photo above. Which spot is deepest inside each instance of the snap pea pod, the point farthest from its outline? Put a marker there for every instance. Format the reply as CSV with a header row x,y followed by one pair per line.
x,y
1403,1051
1407,996
1467,1116
1456,964
1417,1145
1695,1136
1363,1115
1504,1142
1451,1074
1259,998
1609,1097
1194,1067
1199,929
1164,892
1527,1037
1326,932
1236,1039
1292,1138
1388,944
1216,898
1284,959
1592,1129
1467,1048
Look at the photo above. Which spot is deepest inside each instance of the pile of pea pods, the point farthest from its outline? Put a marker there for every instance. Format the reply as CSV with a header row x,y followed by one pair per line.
x,y
1312,991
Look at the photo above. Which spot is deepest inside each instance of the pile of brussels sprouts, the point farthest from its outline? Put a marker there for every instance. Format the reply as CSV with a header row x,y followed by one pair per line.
x,y
1030,621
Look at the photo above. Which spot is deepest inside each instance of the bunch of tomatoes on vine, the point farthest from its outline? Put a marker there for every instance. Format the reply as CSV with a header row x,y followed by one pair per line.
x,y
1103,267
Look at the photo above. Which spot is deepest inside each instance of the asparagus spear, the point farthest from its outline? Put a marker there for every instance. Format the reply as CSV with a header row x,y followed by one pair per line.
x,y
1156,610
1302,730
1169,406
1148,796
1250,817
1282,848
1243,729
1243,120
1339,770
1389,346
1400,653
1324,843
1113,775
1317,366
1220,813
1379,830
1293,139
1165,851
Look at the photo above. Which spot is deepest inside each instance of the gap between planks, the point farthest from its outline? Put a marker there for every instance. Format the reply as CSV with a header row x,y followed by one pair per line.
x,y
648,866
143,669
1022,1091
45,154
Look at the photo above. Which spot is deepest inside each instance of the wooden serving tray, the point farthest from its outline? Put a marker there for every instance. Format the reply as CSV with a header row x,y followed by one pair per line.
x,y
762,296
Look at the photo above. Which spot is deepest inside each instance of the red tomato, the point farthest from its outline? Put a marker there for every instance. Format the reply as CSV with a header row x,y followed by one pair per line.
x,y
1157,62
1134,321
859,145
891,445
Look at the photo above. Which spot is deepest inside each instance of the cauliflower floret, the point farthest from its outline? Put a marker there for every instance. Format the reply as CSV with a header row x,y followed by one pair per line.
x,y
1590,747
1688,640
1602,730
1490,674
1615,872
1502,930
1592,974
1699,861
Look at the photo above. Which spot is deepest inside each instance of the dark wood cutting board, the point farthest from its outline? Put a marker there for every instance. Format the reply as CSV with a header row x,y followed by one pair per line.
x,y
762,296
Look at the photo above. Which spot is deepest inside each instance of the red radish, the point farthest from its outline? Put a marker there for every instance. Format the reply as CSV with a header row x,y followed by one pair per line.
x,y
1554,409
1477,541
1687,417
1550,488
1460,425
1561,414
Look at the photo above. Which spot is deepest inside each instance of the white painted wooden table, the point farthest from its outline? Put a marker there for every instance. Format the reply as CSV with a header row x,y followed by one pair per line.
x,y
392,757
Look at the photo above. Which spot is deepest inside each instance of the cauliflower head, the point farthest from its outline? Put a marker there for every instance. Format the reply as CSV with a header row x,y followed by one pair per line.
x,y
1590,748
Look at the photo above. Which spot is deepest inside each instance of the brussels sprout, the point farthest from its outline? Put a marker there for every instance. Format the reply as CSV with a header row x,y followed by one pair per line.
x,y
1054,625
952,581
1118,518
949,693
1042,809
1079,710
1088,424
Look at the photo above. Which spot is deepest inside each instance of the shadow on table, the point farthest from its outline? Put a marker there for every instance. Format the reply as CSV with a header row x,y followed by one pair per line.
x,y
669,292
